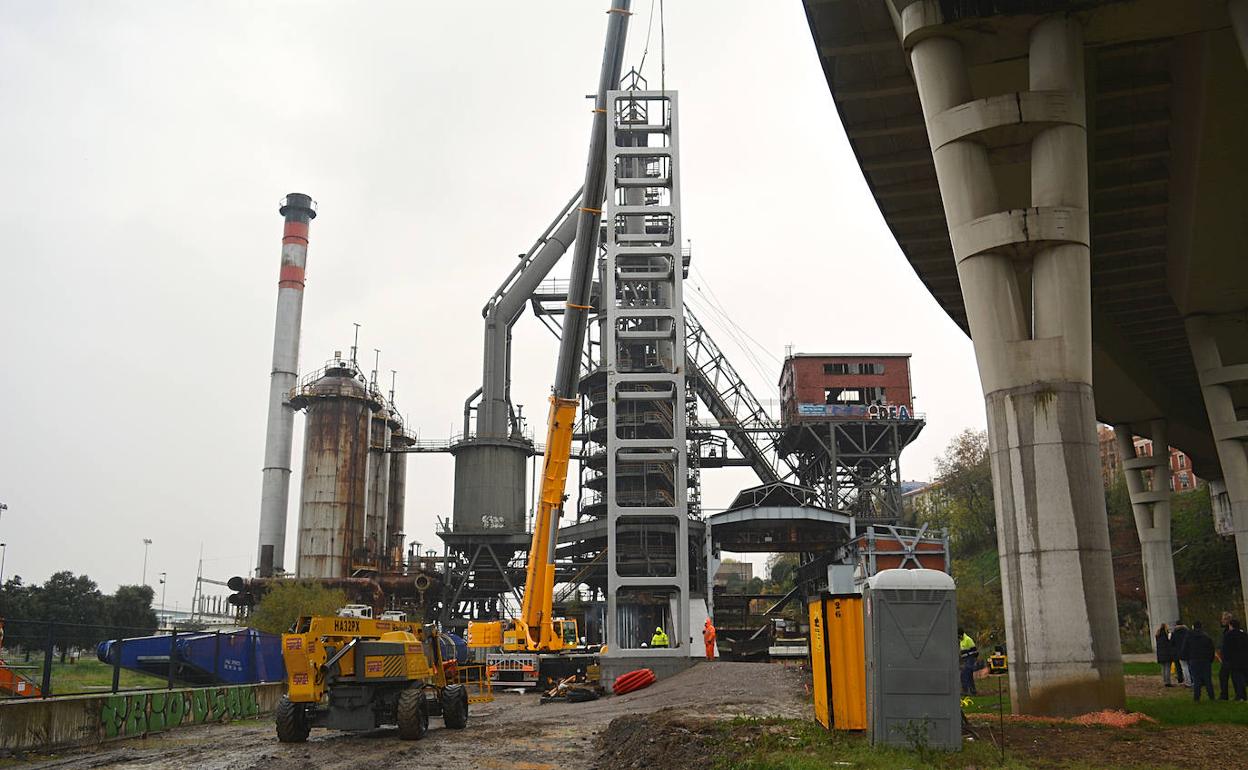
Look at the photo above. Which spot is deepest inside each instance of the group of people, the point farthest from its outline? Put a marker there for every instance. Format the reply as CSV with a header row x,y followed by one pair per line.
x,y
1190,653
660,638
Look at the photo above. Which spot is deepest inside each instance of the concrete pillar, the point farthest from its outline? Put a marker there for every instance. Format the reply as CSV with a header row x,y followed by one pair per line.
x,y
1229,433
1238,10
1151,507
1025,281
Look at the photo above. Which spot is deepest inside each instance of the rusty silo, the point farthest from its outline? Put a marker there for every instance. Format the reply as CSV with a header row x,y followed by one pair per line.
x,y
378,507
398,491
335,470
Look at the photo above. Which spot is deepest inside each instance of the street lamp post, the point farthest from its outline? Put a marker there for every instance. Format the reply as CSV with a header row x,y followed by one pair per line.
x,y
3,547
162,596
147,543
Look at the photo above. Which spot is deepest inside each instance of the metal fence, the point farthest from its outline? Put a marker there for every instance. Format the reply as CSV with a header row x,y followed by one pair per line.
x,y
41,659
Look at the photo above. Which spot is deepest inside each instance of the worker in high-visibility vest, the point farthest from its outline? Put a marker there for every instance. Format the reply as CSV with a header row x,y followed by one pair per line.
x,y
968,657
708,638
660,638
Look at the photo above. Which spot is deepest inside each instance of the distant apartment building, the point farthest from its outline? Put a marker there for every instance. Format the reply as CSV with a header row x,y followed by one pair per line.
x,y
923,497
733,570
1181,476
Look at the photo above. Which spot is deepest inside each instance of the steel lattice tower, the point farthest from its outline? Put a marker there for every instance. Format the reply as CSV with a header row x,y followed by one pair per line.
x,y
643,346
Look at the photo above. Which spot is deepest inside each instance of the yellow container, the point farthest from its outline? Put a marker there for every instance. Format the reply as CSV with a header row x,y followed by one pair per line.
x,y
838,661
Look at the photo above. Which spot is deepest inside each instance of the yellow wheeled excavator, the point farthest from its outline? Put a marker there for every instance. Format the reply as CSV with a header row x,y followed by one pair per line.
x,y
539,648
351,673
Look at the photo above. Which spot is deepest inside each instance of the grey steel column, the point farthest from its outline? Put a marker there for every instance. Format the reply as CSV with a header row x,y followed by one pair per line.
x,y
299,211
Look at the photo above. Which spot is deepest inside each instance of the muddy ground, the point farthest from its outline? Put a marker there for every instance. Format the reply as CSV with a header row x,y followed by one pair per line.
x,y
513,732
676,723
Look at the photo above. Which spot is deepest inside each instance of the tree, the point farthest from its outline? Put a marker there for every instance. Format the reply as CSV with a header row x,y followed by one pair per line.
x,y
781,572
980,609
286,601
129,610
1206,567
961,500
74,604
17,609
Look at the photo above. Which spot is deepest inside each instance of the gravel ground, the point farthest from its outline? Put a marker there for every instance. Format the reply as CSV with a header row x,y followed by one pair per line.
x,y
513,732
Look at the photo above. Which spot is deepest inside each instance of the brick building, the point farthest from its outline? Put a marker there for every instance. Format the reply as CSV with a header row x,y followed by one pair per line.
x,y
1181,475
845,420
858,386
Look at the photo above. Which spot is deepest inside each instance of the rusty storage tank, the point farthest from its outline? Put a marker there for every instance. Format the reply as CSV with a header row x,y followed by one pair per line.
x,y
490,485
377,507
397,498
335,470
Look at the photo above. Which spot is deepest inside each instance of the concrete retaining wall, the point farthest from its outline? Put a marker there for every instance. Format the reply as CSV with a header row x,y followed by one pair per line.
x,y
663,667
78,720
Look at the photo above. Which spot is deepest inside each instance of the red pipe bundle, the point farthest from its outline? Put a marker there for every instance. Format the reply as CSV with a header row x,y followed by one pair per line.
x,y
633,680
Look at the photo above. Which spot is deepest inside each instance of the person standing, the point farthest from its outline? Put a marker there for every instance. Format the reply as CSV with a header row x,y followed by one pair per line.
x,y
708,638
1198,649
968,657
1224,671
1165,653
1178,638
660,639
1234,653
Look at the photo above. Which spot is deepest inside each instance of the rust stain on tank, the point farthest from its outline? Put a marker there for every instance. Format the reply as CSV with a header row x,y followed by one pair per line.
x,y
335,472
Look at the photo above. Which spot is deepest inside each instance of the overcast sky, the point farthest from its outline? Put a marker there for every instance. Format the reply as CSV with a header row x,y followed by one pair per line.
x,y
145,147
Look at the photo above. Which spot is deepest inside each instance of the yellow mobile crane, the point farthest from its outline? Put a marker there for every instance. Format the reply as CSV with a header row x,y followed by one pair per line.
x,y
536,632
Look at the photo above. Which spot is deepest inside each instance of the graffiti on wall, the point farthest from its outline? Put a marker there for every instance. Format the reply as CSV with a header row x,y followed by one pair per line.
x,y
134,714
876,411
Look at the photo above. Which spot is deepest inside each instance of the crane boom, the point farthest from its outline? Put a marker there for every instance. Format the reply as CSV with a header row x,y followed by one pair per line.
x,y
535,621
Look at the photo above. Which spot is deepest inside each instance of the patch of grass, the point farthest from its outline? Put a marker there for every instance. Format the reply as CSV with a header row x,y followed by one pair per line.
x,y
788,744
88,676
1141,669
986,701
1166,710
1185,711
792,744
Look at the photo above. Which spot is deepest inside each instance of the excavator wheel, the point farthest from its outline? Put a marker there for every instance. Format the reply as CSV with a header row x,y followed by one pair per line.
x,y
413,716
292,722
455,706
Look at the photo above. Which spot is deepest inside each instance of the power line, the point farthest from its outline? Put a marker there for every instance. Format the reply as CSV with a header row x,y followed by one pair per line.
x,y
662,51
646,48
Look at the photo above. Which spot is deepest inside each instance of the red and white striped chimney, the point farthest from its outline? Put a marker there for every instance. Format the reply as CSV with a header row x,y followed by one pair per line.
x,y
299,211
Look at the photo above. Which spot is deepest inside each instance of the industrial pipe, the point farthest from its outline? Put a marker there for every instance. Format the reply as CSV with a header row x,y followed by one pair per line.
x,y
501,312
299,210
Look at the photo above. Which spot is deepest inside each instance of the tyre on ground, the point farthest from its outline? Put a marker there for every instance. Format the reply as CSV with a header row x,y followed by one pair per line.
x,y
455,706
292,721
412,714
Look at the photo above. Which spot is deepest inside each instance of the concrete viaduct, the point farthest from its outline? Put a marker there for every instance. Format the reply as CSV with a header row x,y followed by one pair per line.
x,y
1067,179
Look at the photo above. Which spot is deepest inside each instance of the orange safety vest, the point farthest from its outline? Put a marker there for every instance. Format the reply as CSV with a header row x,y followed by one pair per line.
x,y
708,633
